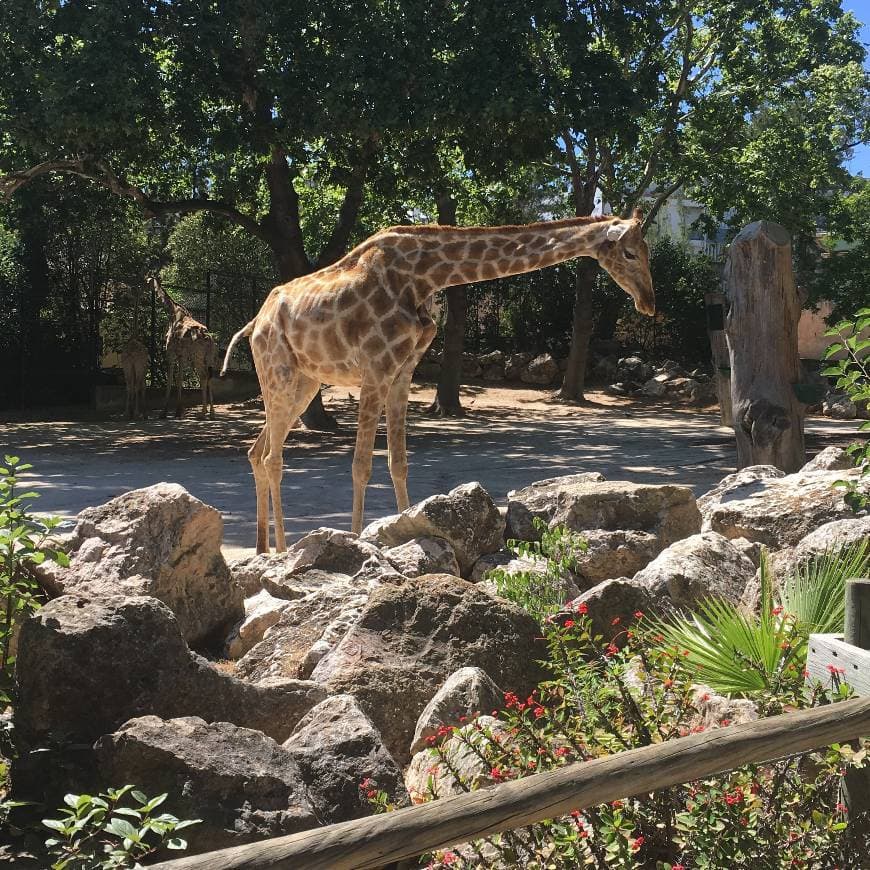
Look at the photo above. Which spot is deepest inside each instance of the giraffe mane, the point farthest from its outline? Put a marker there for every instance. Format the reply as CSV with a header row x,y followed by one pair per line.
x,y
471,231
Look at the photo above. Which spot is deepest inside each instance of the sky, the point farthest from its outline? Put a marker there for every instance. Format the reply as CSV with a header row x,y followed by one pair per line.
x,y
860,162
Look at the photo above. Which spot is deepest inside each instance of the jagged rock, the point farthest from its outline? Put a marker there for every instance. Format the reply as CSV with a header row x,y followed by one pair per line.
x,y
494,358
829,537
466,693
633,368
493,373
466,517
337,747
839,407
751,549
830,459
695,568
426,555
461,758
410,638
713,709
248,571
619,598
306,630
262,611
515,364
614,554
654,388
542,369
487,563
86,666
780,511
734,487
240,783
583,502
158,541
470,366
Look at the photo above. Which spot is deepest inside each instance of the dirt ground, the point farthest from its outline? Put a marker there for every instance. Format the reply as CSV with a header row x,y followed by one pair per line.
x,y
509,438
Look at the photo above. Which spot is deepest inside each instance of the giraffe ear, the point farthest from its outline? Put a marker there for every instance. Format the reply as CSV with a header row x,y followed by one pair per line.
x,y
616,231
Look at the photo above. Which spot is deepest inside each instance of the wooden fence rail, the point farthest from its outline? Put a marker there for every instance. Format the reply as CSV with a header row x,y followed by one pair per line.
x,y
377,840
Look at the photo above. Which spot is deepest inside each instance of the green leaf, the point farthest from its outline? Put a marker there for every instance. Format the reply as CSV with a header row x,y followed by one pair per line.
x,y
122,828
176,843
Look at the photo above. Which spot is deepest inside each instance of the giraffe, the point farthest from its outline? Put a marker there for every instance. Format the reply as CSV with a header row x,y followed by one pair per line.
x,y
134,362
188,342
365,321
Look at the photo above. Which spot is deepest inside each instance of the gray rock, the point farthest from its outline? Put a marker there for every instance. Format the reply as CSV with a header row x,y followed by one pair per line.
x,y
306,629
86,666
542,369
337,747
780,511
582,502
494,358
426,555
493,373
605,368
158,541
614,554
410,638
470,366
515,365
831,536
466,517
240,783
712,709
839,407
487,563
620,599
830,459
734,487
262,611
654,387
698,567
466,693
751,549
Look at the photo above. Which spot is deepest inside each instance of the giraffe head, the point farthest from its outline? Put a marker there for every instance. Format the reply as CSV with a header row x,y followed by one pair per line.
x,y
625,255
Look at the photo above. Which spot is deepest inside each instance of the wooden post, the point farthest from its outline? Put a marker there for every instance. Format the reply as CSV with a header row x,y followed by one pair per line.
x,y
715,305
378,840
761,327
857,631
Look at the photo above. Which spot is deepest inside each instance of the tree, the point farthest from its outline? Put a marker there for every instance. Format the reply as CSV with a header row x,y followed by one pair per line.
x,y
699,82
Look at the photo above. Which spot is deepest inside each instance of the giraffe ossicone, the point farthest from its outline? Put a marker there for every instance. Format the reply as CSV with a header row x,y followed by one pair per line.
x,y
365,321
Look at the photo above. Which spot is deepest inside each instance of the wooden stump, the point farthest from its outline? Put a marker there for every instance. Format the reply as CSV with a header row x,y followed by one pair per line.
x,y
715,305
761,327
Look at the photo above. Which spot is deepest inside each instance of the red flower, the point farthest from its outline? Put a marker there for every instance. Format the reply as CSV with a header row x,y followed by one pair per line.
x,y
776,611
365,783
638,614
568,623
371,793
724,722
616,620
638,843
616,804
678,867
582,608
833,670
575,814
611,650
449,858
539,711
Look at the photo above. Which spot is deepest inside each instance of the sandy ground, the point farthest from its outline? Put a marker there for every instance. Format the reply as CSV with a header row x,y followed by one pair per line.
x,y
509,438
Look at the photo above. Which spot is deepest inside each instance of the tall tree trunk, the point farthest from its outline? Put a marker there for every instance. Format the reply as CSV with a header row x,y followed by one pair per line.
x,y
575,374
447,403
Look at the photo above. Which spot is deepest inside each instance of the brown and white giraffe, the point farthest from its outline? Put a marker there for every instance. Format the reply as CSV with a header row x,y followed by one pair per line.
x,y
365,321
188,344
134,362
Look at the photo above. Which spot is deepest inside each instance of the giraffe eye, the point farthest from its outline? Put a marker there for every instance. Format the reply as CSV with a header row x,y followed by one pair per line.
x,y
629,256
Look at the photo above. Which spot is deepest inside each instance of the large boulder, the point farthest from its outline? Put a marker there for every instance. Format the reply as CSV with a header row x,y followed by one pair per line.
x,y
830,459
614,554
542,370
337,748
307,629
410,638
466,517
426,555
698,567
241,784
734,487
158,541
780,511
86,666
587,501
515,365
610,606
465,694
829,537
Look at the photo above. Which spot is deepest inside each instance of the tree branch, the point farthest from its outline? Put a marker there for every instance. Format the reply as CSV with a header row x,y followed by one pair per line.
x,y
660,200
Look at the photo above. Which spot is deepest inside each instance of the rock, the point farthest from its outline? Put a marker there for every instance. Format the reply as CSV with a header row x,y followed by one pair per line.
x,y
780,511
410,638
515,364
158,541
830,459
618,598
240,783
614,554
829,537
735,486
653,388
633,368
494,358
466,693
337,747
470,366
489,562
493,373
751,549
473,772
466,517
262,611
426,555
605,368
839,407
86,666
698,567
586,501
306,630
713,709
247,571
542,369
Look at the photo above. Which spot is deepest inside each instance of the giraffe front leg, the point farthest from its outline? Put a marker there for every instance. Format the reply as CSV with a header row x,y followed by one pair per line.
x,y
371,406
397,406
261,484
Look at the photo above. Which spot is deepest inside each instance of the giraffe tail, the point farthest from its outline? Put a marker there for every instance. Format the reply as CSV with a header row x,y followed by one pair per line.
x,y
245,331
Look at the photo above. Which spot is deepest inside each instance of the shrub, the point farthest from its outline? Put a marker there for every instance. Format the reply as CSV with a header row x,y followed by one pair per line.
x,y
602,700
102,832
24,543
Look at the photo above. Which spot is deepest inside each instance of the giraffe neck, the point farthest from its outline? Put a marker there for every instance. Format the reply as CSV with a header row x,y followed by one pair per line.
x,y
446,256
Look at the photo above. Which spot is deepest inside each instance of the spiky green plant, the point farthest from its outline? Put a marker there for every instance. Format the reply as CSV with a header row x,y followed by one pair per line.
x,y
743,654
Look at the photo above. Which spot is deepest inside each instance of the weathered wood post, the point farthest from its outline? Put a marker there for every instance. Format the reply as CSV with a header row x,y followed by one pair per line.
x,y
761,327
715,307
